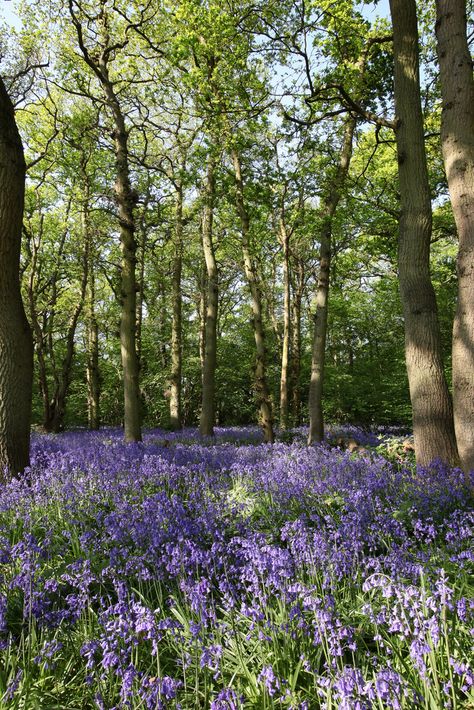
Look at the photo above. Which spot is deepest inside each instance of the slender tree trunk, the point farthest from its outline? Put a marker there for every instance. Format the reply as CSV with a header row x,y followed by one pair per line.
x,y
285,356
92,335
16,346
57,405
457,137
126,200
128,321
202,317
433,426
43,322
93,372
141,282
316,419
206,426
295,361
261,387
176,346
39,339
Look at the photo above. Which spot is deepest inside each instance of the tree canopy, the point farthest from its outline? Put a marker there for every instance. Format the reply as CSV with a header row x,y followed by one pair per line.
x,y
238,212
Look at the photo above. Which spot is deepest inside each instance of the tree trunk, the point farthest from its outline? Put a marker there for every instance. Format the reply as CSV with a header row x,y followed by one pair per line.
x,y
39,336
57,406
285,356
202,316
140,290
261,387
457,137
431,403
126,200
16,345
296,360
176,346
298,287
316,418
206,426
92,372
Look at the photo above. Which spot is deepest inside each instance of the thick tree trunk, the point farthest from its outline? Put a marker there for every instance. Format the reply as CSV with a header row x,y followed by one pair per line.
x,y
176,347
285,356
261,387
431,403
316,418
457,137
206,426
16,346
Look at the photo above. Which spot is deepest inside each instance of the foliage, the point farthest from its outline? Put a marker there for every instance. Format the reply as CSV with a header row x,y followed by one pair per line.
x,y
193,77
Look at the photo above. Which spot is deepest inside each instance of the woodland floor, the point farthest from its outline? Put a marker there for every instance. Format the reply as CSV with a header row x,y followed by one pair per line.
x,y
225,574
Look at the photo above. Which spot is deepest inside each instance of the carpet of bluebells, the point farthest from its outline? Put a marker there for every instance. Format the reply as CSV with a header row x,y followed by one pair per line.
x,y
229,574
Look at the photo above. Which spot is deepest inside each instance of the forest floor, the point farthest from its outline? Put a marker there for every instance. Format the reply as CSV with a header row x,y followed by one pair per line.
x,y
229,574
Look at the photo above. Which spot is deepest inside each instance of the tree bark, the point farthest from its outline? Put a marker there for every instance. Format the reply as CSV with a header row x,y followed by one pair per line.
x,y
93,372
126,199
126,202
202,308
206,426
295,361
140,289
331,201
16,345
433,426
457,137
92,335
285,355
261,387
54,421
40,339
176,346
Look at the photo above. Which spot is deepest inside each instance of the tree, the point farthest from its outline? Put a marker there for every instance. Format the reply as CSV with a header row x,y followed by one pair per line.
x,y
261,387
329,206
96,29
433,427
58,242
16,347
206,425
284,235
332,194
457,138
176,344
